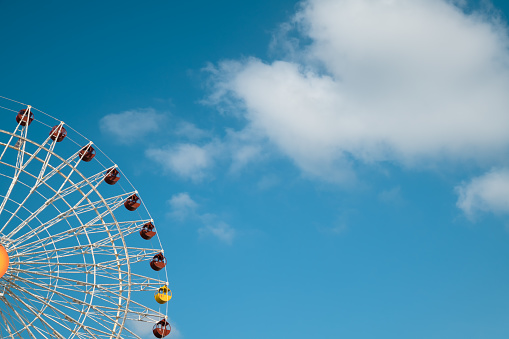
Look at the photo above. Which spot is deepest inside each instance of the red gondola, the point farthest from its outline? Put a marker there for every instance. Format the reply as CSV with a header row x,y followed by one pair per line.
x,y
112,177
132,203
58,133
25,117
147,231
161,329
87,153
158,262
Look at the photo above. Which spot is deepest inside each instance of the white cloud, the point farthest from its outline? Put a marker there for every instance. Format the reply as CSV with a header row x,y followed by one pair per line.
x,y
182,205
195,161
415,82
189,161
242,147
267,182
129,126
392,196
486,193
190,131
220,230
244,154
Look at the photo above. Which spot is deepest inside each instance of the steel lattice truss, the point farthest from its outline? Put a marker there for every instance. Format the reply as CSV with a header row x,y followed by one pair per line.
x,y
78,267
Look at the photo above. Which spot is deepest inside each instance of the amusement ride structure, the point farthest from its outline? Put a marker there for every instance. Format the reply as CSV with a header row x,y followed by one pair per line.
x,y
80,255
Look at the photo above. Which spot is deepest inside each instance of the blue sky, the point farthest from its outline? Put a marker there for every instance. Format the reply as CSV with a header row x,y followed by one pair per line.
x,y
317,169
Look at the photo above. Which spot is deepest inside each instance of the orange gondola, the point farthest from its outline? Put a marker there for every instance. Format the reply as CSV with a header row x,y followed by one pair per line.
x,y
147,231
25,117
158,262
58,133
161,329
112,177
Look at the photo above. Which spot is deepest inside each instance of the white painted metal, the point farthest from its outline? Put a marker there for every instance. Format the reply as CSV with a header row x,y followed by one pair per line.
x,y
78,267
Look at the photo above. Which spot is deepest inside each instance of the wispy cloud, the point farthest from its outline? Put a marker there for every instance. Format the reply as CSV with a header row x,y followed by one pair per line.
x,y
189,161
486,193
216,228
129,126
391,196
243,147
190,131
195,160
183,207
267,182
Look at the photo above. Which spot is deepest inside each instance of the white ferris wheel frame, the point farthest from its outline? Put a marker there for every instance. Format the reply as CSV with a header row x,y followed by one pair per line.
x,y
39,293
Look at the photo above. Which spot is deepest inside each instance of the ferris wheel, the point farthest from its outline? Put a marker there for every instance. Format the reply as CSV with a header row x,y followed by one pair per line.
x,y
80,256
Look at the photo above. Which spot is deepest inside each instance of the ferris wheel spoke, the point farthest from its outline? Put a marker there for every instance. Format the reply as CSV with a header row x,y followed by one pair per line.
x,y
101,270
31,288
37,314
104,312
133,255
94,289
68,300
117,230
20,144
105,295
59,313
67,270
59,195
56,267
42,180
20,167
8,325
99,319
112,313
40,195
46,275
44,286
66,304
104,203
20,219
20,318
12,136
12,321
133,334
138,311
54,170
69,284
128,254
58,318
90,181
48,154
98,313
109,205
21,148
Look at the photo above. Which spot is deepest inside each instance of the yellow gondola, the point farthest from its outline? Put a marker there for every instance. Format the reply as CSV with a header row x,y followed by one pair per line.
x,y
163,295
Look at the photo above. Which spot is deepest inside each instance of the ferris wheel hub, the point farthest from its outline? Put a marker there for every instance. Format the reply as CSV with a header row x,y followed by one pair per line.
x,y
4,261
